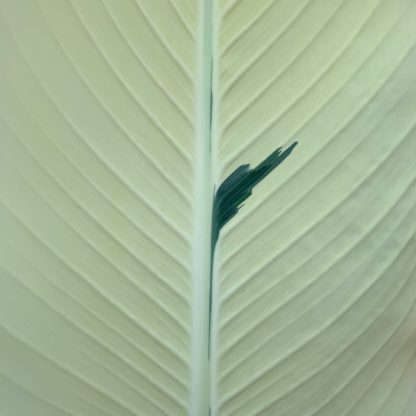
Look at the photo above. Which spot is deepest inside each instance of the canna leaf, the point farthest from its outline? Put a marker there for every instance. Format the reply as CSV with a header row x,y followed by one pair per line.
x,y
138,139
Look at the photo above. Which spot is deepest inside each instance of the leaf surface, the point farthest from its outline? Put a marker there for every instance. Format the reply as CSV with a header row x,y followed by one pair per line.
x,y
128,127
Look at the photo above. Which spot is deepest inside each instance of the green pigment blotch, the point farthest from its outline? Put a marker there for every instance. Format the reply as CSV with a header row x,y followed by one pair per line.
x,y
229,198
238,186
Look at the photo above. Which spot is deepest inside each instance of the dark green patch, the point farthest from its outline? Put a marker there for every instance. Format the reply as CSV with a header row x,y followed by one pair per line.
x,y
229,198
237,187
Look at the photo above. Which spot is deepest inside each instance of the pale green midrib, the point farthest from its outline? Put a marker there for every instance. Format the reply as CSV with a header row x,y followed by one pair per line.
x,y
201,244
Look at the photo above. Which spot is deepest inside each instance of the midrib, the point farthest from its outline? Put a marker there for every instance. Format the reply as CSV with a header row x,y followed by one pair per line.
x,y
201,247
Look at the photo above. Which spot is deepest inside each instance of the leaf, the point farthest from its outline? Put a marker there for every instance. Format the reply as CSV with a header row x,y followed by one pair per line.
x,y
130,130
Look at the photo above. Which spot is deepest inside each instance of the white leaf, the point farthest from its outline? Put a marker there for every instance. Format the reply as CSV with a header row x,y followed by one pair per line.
x,y
119,120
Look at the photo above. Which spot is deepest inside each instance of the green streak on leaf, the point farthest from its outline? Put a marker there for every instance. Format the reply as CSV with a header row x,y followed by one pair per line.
x,y
231,194
238,186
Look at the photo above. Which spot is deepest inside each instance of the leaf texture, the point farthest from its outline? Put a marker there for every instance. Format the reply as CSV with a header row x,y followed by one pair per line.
x,y
97,122
112,149
315,302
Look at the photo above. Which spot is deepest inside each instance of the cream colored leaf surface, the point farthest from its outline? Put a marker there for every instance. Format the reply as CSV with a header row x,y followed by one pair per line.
x,y
97,129
108,163
315,303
